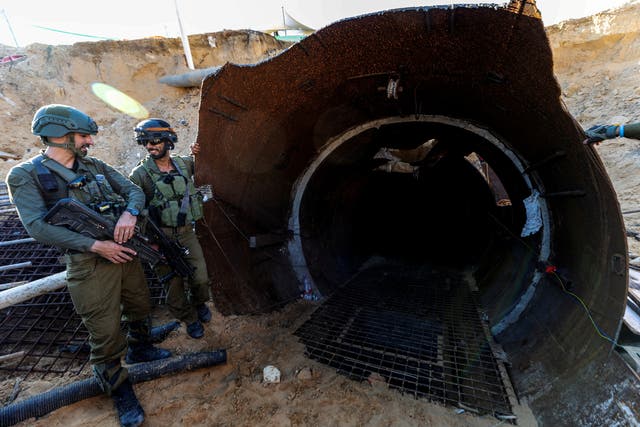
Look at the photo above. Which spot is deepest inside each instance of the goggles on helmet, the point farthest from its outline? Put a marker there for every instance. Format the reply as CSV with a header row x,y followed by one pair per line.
x,y
155,135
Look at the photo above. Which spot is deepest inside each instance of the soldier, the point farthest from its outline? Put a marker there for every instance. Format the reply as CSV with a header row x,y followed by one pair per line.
x,y
105,279
598,133
175,205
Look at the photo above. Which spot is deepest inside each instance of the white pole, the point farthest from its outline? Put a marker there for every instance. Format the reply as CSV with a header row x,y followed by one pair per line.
x,y
32,289
185,39
284,21
10,29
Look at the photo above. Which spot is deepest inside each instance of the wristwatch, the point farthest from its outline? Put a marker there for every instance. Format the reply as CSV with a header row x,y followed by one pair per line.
x,y
133,211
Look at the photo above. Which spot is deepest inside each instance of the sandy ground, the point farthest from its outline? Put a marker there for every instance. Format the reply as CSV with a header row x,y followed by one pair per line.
x,y
234,394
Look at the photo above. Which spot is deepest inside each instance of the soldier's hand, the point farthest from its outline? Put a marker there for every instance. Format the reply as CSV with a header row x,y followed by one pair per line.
x,y
195,148
125,227
112,251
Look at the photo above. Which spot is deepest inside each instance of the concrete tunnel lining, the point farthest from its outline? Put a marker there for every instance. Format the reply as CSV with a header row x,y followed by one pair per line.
x,y
296,252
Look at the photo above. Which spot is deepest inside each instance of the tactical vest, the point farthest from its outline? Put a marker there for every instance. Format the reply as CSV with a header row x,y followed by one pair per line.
x,y
89,187
169,201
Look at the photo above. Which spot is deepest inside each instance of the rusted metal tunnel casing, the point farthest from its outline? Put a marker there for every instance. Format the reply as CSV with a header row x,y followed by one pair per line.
x,y
290,147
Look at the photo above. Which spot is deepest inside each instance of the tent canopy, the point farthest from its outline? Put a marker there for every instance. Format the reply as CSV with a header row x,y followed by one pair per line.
x,y
289,23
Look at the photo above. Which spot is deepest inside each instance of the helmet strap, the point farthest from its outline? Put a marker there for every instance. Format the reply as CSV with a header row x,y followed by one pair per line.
x,y
69,144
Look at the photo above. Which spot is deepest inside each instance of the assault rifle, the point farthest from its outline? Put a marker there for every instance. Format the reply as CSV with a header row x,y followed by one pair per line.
x,y
77,217
173,252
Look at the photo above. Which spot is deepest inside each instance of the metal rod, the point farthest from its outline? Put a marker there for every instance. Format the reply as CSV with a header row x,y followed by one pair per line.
x,y
17,242
12,266
558,154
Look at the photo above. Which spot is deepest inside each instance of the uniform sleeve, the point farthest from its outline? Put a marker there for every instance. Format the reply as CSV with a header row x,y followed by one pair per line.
x,y
124,187
25,194
140,178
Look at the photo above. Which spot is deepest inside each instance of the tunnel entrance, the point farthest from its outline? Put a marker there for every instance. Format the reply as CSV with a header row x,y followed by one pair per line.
x,y
395,219
430,200
419,331
378,141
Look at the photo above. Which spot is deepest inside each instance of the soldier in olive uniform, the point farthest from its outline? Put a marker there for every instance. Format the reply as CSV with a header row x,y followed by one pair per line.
x,y
105,279
598,133
175,205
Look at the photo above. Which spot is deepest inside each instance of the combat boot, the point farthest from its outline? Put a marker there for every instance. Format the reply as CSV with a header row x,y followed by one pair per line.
x,y
129,410
195,330
144,352
204,314
139,340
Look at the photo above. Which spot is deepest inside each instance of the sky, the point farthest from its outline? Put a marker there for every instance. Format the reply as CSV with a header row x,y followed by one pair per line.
x,y
23,22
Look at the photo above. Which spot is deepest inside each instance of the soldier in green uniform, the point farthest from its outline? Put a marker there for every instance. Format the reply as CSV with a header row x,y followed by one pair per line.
x,y
175,205
105,279
598,133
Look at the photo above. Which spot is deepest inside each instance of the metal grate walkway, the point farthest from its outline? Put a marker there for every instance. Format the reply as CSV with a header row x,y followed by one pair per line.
x,y
422,333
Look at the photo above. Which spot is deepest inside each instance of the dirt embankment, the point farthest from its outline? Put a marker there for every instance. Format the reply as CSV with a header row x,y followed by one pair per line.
x,y
597,63
64,74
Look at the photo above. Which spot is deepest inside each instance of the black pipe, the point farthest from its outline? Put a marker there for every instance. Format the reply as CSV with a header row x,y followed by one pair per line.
x,y
42,404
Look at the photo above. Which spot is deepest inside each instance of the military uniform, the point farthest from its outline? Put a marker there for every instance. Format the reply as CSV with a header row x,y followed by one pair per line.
x,y
103,292
172,199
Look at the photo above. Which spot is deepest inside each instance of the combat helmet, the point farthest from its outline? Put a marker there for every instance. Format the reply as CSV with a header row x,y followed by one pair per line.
x,y
56,120
155,131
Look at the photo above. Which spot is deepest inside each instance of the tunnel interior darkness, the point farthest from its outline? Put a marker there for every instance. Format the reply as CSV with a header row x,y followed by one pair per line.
x,y
442,211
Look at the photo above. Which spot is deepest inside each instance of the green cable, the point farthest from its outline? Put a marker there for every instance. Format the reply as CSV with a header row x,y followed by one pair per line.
x,y
74,34
593,322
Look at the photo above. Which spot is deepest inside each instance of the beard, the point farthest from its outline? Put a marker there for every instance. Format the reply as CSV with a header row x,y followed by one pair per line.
x,y
160,153
81,151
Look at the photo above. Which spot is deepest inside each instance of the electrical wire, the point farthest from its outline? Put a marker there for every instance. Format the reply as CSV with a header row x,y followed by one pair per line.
x,y
550,269
584,306
226,215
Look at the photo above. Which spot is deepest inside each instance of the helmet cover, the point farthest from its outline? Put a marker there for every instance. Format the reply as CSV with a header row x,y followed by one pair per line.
x,y
57,120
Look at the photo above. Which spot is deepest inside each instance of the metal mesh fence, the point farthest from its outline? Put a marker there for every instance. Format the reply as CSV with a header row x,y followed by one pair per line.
x,y
42,336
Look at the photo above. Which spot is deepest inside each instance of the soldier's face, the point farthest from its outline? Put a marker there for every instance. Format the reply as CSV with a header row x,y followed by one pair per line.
x,y
82,142
156,151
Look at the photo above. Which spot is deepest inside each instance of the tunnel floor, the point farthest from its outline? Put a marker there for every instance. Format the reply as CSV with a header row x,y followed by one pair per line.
x,y
419,330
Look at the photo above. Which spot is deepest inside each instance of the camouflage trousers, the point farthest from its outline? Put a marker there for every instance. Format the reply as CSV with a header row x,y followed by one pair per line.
x,y
104,294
